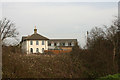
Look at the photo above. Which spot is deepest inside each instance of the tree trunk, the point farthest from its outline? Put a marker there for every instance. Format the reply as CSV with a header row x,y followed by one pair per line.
x,y
0,56
118,52
114,52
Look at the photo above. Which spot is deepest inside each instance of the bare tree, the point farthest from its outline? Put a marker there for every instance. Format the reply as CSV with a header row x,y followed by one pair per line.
x,y
108,34
118,45
7,29
111,34
94,35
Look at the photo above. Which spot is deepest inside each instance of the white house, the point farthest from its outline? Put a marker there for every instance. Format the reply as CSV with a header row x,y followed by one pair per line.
x,y
37,43
34,43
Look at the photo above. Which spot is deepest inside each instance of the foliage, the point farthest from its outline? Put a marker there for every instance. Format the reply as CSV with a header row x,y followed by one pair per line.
x,y
110,77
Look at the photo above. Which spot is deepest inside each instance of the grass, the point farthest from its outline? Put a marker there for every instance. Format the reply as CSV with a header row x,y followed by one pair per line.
x,y
110,77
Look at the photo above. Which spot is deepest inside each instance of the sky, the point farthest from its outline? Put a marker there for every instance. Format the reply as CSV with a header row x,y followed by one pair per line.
x,y
59,0
59,20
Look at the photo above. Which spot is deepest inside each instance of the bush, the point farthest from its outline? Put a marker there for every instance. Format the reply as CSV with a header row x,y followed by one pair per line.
x,y
39,66
80,63
110,77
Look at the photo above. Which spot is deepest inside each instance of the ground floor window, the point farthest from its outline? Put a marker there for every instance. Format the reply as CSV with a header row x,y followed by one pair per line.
x,y
31,50
37,50
42,50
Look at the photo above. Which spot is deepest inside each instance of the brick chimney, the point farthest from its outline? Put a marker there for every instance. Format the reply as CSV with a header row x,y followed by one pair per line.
x,y
35,30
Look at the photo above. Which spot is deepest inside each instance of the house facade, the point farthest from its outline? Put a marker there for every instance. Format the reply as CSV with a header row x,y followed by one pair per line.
x,y
34,43
37,43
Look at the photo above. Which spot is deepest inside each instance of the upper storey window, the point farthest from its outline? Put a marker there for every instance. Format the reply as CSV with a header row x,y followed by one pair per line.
x,y
31,42
37,42
42,42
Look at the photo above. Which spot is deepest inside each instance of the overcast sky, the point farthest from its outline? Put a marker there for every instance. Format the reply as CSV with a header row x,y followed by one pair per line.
x,y
59,0
60,19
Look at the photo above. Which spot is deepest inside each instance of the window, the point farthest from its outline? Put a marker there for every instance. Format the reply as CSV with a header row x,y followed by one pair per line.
x,y
58,44
69,44
55,44
31,50
42,50
31,42
42,42
37,50
63,44
52,44
72,44
66,44
49,44
37,42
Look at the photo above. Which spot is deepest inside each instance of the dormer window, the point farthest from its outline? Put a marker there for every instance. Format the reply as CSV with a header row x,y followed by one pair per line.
x,y
63,44
66,44
55,44
49,44
37,42
58,44
69,44
72,44
31,42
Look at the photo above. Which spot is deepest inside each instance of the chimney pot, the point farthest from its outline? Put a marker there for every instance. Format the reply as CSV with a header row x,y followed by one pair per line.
x,y
35,30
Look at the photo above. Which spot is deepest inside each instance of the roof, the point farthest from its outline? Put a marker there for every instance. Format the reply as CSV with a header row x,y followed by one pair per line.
x,y
34,37
62,40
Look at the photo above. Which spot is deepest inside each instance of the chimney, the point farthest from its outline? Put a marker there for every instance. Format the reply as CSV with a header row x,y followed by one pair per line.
x,y
35,30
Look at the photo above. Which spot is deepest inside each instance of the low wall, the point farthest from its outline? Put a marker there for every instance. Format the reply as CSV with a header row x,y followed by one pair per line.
x,y
58,51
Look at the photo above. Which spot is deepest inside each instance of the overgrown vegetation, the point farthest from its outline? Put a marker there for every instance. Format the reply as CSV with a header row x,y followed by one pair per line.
x,y
17,65
87,64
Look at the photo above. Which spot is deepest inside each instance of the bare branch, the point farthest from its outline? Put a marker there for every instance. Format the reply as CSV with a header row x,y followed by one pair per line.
x,y
7,29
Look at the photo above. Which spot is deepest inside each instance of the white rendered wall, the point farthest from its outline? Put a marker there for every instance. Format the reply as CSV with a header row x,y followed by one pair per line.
x,y
34,46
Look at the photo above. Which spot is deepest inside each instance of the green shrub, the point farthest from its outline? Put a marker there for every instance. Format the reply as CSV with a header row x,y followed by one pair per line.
x,y
110,77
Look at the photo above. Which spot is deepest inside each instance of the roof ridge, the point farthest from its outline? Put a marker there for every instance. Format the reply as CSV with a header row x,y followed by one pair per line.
x,y
36,36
